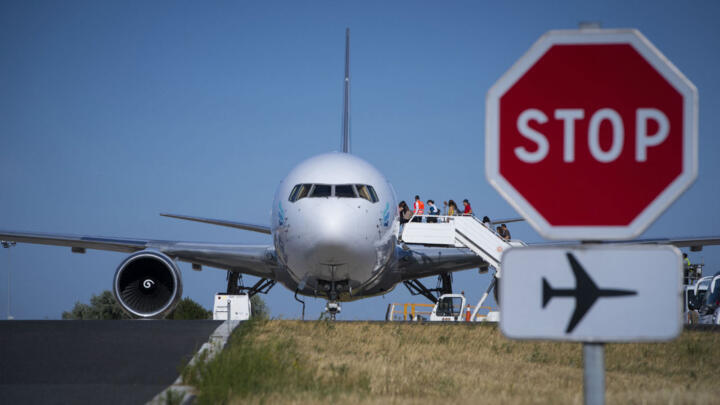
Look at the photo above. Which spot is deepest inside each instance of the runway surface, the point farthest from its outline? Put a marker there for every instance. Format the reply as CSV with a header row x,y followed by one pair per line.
x,y
82,362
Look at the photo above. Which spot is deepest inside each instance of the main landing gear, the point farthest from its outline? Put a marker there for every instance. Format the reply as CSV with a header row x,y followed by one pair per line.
x,y
235,285
444,286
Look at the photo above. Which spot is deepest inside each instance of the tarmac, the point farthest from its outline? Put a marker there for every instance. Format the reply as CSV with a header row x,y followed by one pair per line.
x,y
81,362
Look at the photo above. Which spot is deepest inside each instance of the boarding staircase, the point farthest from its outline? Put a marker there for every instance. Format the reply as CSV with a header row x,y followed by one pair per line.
x,y
459,231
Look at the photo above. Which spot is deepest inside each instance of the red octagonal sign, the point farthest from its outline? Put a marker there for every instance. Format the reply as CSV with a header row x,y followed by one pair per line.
x,y
592,134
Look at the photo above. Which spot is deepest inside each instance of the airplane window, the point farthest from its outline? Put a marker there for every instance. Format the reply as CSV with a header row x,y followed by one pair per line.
x,y
344,190
691,303
712,295
294,193
363,192
322,190
304,191
299,191
373,194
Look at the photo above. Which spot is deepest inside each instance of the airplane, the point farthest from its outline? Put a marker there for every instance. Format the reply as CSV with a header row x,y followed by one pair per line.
x,y
334,227
586,292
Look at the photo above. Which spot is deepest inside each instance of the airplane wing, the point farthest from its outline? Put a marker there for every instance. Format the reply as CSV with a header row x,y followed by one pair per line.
x,y
222,222
254,260
694,243
423,261
506,220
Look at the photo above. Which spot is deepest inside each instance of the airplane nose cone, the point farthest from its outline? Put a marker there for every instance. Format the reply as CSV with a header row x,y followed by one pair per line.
x,y
333,239
332,250
339,245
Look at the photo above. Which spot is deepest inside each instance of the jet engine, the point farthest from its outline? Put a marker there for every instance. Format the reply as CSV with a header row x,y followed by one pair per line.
x,y
147,284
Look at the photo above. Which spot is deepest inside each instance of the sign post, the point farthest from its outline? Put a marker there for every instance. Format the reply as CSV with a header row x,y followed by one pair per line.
x,y
592,294
594,373
590,136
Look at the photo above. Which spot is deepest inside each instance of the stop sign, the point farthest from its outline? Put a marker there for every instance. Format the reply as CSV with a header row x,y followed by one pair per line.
x,y
592,134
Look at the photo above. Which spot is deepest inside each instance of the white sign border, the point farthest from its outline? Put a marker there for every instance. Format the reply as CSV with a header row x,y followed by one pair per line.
x,y
650,248
690,133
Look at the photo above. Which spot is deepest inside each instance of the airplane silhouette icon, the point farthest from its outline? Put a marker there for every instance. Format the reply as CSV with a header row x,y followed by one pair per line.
x,y
586,292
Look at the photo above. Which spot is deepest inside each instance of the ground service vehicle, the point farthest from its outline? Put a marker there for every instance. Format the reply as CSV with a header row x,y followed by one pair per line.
x,y
709,311
448,308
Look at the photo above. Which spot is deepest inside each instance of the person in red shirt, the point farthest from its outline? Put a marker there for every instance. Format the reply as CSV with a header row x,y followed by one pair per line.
x,y
468,208
418,209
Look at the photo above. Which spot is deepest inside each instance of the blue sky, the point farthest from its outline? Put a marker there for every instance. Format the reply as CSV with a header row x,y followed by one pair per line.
x,y
111,112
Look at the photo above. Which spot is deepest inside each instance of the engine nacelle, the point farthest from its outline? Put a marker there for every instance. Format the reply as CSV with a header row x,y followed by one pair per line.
x,y
147,284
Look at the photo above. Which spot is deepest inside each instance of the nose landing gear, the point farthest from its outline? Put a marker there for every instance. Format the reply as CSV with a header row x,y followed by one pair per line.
x,y
332,290
332,308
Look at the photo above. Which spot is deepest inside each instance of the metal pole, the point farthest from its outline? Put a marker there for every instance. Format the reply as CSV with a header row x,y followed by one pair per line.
x,y
9,280
8,245
229,309
594,373
483,298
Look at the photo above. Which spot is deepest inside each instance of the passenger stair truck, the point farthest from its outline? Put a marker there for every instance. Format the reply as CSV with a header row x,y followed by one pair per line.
x,y
448,308
462,231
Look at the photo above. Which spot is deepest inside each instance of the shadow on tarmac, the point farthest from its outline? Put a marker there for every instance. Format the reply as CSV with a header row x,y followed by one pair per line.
x,y
109,362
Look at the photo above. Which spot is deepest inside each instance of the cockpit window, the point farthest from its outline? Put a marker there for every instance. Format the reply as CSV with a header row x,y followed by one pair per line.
x,y
373,194
322,190
299,191
327,190
363,192
367,192
294,193
345,191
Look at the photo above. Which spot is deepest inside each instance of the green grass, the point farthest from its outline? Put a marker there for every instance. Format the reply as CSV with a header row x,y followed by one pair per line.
x,y
256,368
310,362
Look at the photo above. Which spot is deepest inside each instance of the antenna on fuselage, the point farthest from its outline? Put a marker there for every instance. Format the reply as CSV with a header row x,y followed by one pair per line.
x,y
346,98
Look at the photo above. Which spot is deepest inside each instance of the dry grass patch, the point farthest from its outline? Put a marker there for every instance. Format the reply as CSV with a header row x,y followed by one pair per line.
x,y
306,362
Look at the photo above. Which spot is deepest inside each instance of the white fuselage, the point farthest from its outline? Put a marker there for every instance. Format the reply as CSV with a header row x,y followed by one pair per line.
x,y
334,220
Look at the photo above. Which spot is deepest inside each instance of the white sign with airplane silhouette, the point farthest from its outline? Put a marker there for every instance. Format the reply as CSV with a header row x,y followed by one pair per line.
x,y
592,293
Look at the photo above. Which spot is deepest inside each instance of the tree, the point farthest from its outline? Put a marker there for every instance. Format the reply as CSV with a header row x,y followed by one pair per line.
x,y
258,308
189,309
103,306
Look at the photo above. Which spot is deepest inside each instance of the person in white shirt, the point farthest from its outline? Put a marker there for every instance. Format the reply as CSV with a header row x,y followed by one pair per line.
x,y
432,210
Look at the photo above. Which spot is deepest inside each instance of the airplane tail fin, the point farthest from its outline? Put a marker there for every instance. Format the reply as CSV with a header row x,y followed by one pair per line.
x,y
547,292
346,98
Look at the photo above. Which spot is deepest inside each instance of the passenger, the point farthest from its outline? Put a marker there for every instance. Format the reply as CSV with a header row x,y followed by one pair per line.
x,y
418,209
452,208
487,223
499,231
433,211
407,214
468,208
506,232
403,212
